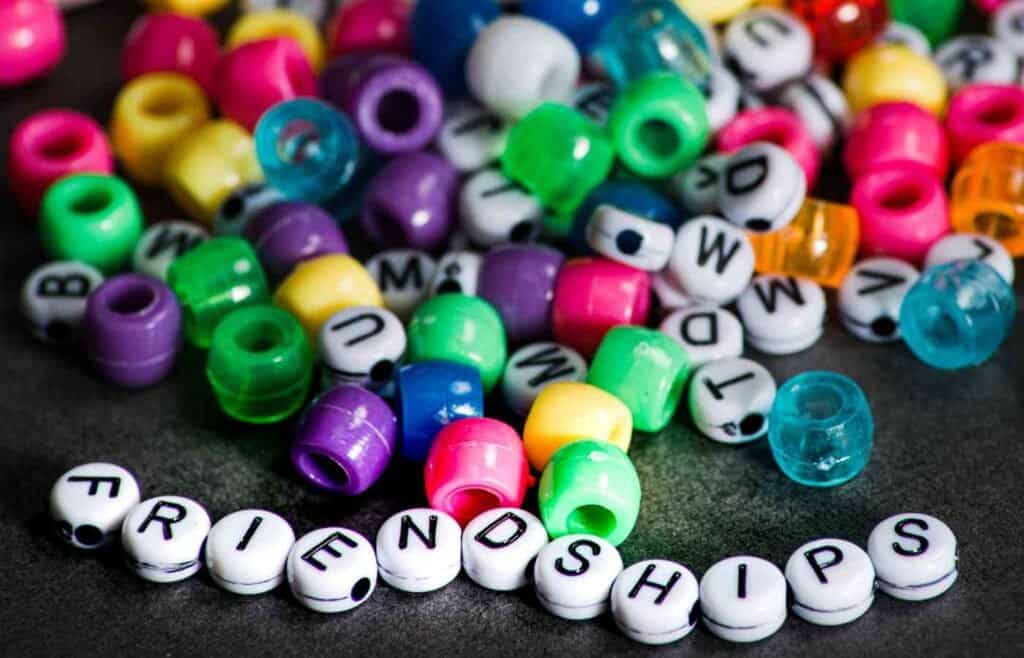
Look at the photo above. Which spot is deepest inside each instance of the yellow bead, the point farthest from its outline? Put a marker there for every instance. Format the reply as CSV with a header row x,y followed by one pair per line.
x,y
988,195
187,7
565,412
320,287
714,11
259,25
207,165
894,73
151,114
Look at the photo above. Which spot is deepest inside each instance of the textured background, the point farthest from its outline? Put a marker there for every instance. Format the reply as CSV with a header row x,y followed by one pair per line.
x,y
947,444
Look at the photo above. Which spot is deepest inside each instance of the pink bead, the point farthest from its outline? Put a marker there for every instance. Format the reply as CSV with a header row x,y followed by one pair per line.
x,y
50,145
257,75
592,295
476,464
989,6
778,126
985,113
171,42
896,133
31,40
370,26
903,211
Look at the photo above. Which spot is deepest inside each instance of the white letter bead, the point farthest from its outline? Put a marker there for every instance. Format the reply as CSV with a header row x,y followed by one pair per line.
x,y
471,137
246,551
904,34
457,271
574,574
595,101
707,333
670,297
762,188
499,546
782,314
361,345
975,247
419,550
332,570
768,47
655,602
832,580
163,537
242,205
974,58
162,243
53,299
743,599
534,366
914,556
871,295
1008,26
629,239
493,209
698,185
821,106
723,98
731,400
712,260
403,276
89,503
314,10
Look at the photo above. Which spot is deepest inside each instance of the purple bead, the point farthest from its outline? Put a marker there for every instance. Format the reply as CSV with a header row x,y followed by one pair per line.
x,y
133,330
411,202
519,280
394,102
289,232
345,440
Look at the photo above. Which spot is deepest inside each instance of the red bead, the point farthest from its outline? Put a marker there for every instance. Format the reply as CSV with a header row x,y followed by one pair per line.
x,y
896,133
31,40
842,27
778,126
171,42
370,26
985,113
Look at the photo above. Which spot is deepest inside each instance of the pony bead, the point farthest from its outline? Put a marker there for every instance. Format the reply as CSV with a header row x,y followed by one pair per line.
x,y
897,133
885,73
31,40
369,26
776,126
519,281
981,113
172,43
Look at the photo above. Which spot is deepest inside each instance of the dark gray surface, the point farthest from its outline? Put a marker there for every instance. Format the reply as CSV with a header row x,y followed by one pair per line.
x,y
947,444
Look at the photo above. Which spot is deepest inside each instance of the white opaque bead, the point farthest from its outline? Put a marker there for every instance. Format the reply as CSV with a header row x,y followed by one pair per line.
x,y
722,101
698,185
332,570
458,272
361,345
743,599
655,602
162,243
731,400
871,295
975,247
707,333
53,299
499,546
493,209
914,555
89,503
246,551
534,366
821,106
975,58
241,206
403,276
595,101
832,580
762,188
574,574
904,34
782,315
712,260
629,239
1008,26
668,293
768,47
470,137
162,538
419,550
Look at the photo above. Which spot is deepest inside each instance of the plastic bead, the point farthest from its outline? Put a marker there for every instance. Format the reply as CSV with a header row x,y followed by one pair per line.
x,y
821,107
594,101
53,299
665,612
821,430
768,47
370,26
762,188
260,365
983,113
474,465
332,570
432,394
187,7
287,233
938,19
394,103
990,6
520,282
777,126
314,10
345,440
842,27
712,260
162,243
320,287
442,34
697,187
246,551
362,345
91,218
457,271
172,43
782,315
743,599
903,34
403,276
241,206
493,209
255,76
914,556
534,366
635,198
52,144
723,98
706,333
886,73
1007,25
870,298
628,239
669,295
470,137
819,244
832,582
419,550
896,133
731,400
31,40
580,20
974,59
574,574
274,23
986,194
156,553
499,547
88,504
720,11
971,246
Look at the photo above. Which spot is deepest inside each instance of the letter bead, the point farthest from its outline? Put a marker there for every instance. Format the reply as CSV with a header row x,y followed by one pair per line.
x,y
668,293
162,243
403,276
871,295
53,299
629,239
419,550
534,366
832,580
975,58
731,400
89,503
743,599
906,35
361,345
163,538
574,574
722,99
782,315
706,333
712,260
457,272
762,188
655,602
332,570
494,209
471,137
768,47
972,246
242,205
1008,26
499,548
698,186
914,556
822,109
246,551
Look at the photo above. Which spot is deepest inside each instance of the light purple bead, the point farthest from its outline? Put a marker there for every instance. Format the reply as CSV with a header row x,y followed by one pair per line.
x,y
132,330
411,202
519,280
289,232
345,440
394,102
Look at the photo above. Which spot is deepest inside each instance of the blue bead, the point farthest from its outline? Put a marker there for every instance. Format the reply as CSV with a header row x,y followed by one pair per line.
x,y
633,197
432,394
957,314
580,20
442,33
821,430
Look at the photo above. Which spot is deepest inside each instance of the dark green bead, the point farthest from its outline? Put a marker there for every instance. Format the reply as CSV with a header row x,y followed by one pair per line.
x,y
937,19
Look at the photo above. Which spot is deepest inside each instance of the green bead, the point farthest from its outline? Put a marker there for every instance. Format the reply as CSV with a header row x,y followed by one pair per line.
x,y
91,218
459,328
559,155
937,19
260,364
589,487
214,279
645,369
659,125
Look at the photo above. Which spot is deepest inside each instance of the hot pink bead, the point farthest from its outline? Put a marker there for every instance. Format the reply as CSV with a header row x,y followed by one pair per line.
x,y
984,113
31,40
778,126
476,464
896,133
255,76
50,145
370,26
989,6
903,211
171,42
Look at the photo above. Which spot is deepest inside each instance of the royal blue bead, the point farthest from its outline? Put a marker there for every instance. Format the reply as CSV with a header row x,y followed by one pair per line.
x,y
443,31
821,430
432,394
957,314
580,20
633,197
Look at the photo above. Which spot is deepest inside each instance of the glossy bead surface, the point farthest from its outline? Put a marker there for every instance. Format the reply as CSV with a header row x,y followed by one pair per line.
x,y
731,400
419,550
768,47
53,299
832,581
762,188
574,574
706,333
665,612
782,314
871,295
972,59
163,537
712,260
777,126
493,209
534,366
723,98
629,239
842,27
442,34
432,394
31,40
697,187
471,137
519,281
904,34
632,197
580,20
743,599
403,276
173,43
938,19
320,287
886,73
246,551
332,570
288,233
986,193
719,11
255,76
981,113
821,107
914,555
241,206
499,547
279,22
187,7
89,502
1007,25
370,26
971,246
362,345
897,133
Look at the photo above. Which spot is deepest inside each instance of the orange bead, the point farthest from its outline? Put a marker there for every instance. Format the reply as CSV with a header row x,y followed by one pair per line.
x,y
988,194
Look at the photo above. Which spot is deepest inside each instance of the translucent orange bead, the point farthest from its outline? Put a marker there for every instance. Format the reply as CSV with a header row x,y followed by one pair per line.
x,y
988,194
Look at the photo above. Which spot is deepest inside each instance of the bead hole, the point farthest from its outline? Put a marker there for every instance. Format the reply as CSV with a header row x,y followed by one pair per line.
x,y
328,471
398,111
901,197
997,225
92,201
132,300
468,503
163,105
259,337
999,114
658,138
819,402
940,329
62,146
591,520
298,141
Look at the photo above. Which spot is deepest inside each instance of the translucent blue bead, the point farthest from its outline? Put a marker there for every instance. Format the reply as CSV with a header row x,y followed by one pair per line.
x,y
650,36
442,33
633,197
580,20
821,430
957,314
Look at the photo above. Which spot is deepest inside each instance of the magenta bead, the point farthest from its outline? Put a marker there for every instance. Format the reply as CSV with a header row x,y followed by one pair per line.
x,y
984,113
778,126
171,42
896,133
31,40
370,26
289,232
519,281
989,6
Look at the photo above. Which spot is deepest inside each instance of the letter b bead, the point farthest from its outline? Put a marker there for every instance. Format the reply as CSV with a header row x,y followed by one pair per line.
x,y
54,297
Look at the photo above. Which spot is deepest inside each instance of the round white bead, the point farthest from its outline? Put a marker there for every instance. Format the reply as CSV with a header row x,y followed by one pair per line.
x,y
419,550
904,34
832,581
88,504
1008,26
768,47
534,366
470,137
574,574
246,551
332,570
781,314
731,400
914,555
499,546
403,276
493,209
241,206
975,247
974,58
707,333
629,239
54,297
162,538
712,260
698,185
762,188
361,345
162,243
743,599
655,602
458,272
870,297
821,106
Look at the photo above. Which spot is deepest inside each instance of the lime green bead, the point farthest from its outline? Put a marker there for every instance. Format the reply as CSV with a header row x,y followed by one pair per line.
x,y
260,364
559,155
459,328
645,369
937,19
659,125
91,218
213,279
590,487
